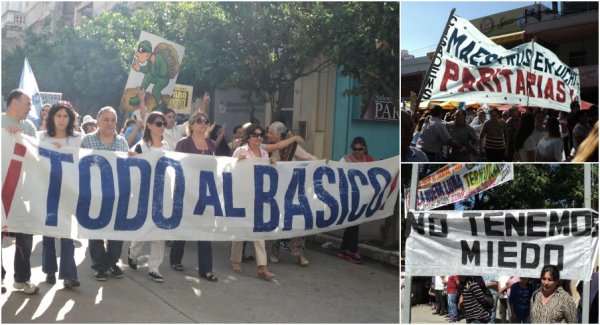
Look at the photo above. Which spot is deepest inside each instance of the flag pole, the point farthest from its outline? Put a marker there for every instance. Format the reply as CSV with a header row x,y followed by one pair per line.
x,y
406,293
438,51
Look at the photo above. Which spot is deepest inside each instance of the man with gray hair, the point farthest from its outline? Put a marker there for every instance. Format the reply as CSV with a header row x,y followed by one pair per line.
x,y
277,132
105,138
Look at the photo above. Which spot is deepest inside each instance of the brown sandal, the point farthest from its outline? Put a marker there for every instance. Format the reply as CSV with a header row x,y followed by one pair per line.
x,y
264,273
236,267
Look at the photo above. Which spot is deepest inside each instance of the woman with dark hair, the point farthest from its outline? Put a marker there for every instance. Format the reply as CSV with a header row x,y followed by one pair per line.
x,y
60,133
196,143
551,303
524,141
254,137
495,134
550,147
152,141
472,300
349,248
217,134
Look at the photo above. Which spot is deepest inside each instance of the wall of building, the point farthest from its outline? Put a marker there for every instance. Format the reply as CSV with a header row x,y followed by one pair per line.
x,y
382,137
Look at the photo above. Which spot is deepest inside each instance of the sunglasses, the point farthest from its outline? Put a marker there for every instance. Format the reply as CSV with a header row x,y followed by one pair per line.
x,y
358,149
160,124
201,121
258,135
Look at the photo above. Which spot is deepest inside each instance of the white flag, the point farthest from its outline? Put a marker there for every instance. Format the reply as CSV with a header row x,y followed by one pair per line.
x,y
29,85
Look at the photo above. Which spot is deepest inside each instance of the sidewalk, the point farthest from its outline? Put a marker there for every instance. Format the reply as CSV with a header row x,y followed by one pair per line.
x,y
332,242
330,290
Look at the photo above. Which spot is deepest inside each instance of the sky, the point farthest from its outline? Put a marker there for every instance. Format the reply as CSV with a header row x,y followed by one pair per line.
x,y
422,22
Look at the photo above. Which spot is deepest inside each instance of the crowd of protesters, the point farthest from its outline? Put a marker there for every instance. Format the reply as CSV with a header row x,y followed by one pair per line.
x,y
511,299
489,135
157,131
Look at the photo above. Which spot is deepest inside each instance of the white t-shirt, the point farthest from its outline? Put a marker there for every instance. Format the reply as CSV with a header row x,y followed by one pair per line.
x,y
528,145
146,148
71,141
550,149
174,134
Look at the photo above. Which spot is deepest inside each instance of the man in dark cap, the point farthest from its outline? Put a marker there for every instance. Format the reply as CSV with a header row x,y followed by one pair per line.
x,y
155,72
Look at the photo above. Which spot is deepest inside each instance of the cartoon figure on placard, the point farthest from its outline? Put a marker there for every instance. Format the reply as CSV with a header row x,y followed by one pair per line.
x,y
158,67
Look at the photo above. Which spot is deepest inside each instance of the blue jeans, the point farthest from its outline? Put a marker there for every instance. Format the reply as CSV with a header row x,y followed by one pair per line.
x,y
493,311
452,307
104,258
204,255
23,245
68,268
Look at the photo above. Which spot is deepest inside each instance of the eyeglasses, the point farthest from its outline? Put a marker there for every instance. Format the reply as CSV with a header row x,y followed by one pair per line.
x,y
258,135
358,149
159,124
201,121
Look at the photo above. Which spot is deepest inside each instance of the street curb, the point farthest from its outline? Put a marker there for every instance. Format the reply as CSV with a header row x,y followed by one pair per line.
x,y
372,252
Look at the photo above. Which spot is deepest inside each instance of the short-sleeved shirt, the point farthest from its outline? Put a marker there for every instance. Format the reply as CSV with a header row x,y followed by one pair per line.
x,y
487,279
550,149
130,130
73,141
520,300
246,151
414,154
433,135
561,307
187,145
92,141
528,145
25,125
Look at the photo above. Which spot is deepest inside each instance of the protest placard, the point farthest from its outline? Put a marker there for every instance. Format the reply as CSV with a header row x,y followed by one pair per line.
x,y
155,68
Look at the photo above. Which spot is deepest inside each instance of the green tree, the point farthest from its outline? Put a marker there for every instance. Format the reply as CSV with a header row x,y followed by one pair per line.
x,y
366,47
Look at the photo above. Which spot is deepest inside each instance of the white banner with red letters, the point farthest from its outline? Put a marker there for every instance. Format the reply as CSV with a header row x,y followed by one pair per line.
x,y
471,67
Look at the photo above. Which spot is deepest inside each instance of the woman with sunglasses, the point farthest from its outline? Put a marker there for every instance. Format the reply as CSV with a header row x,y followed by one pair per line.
x,y
60,132
349,248
198,143
254,136
152,141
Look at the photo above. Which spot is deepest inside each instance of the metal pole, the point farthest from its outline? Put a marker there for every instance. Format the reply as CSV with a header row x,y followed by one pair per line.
x,y
438,50
408,279
587,200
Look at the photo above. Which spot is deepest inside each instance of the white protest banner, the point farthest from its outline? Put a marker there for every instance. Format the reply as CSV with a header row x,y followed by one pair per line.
x,y
511,242
155,68
455,182
95,194
470,67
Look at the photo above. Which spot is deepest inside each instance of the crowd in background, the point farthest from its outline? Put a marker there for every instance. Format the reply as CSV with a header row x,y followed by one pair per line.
x,y
517,134
511,299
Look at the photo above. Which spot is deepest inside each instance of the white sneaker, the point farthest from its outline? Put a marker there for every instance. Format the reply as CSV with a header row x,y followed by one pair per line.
x,y
27,287
156,276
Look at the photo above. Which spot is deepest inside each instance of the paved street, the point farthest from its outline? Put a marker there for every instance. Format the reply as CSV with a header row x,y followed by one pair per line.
x,y
330,290
423,314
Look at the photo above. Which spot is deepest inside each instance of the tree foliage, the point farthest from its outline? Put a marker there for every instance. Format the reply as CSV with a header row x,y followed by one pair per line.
x,y
259,47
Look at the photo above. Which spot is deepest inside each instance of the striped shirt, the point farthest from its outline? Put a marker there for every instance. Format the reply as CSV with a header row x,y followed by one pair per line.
x,y
92,141
473,302
561,307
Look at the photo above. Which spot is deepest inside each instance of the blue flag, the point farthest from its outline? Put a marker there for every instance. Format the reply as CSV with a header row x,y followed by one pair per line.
x,y
29,85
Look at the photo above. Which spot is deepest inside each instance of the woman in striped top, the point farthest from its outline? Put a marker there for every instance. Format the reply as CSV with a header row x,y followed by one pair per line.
x,y
496,137
472,300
